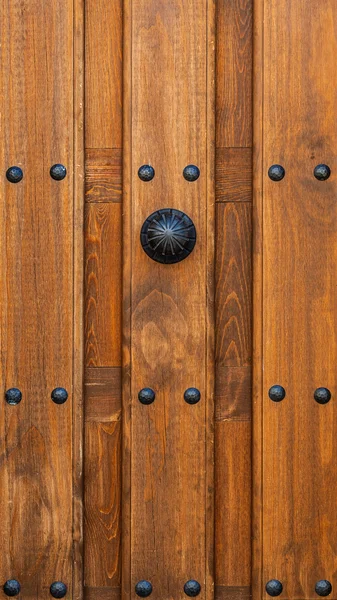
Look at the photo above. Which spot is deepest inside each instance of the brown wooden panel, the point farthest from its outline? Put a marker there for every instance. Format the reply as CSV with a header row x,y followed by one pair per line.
x,y
103,266
234,73
103,175
223,592
233,175
233,394
38,85
105,593
102,479
296,334
168,449
103,75
233,284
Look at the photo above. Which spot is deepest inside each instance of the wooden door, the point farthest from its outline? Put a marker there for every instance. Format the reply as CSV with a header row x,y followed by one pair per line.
x,y
168,313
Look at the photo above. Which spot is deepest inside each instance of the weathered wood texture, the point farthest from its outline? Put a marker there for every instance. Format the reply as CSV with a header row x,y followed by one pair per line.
x,y
40,231
103,296
296,334
233,310
168,447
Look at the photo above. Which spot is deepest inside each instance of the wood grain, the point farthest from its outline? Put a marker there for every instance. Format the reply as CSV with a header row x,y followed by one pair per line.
x,y
38,218
166,539
102,478
103,175
234,73
295,440
223,592
103,284
103,81
233,175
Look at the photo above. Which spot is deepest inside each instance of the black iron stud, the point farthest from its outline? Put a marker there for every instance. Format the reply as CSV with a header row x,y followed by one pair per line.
x,y
191,173
168,236
59,395
58,172
274,587
146,396
192,396
13,396
192,588
143,589
277,393
58,589
14,174
323,587
322,172
12,587
146,173
276,172
322,395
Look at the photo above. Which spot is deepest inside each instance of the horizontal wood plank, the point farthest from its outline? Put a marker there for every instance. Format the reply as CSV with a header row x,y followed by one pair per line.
x,y
103,175
233,175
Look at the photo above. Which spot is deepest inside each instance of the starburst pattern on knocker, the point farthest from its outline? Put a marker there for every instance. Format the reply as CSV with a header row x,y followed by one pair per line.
x,y
168,235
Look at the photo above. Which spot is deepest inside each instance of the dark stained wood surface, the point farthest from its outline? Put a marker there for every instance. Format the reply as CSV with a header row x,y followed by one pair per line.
x,y
234,175
296,308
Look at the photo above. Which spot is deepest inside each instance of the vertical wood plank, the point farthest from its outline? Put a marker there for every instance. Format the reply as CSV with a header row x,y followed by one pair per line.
x,y
103,81
168,57
41,345
295,440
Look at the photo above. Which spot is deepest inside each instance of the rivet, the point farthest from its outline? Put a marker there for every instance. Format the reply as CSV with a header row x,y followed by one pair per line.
x,y
58,589
192,396
277,393
192,588
323,587
143,589
276,172
322,395
146,396
322,172
191,173
146,173
12,587
13,396
14,174
59,395
274,587
58,172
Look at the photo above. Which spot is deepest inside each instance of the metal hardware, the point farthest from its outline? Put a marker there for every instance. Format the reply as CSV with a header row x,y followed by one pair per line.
x,y
59,395
276,394
143,589
276,172
192,588
274,587
146,173
13,396
192,396
323,587
146,396
191,173
12,587
58,589
322,395
322,172
168,236
58,172
14,174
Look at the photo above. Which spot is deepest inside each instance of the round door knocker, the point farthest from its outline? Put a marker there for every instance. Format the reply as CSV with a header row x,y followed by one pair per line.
x,y
168,236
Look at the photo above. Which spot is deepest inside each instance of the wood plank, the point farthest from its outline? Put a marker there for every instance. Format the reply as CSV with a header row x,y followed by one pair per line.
x,y
103,394
223,592
37,295
233,284
166,51
103,81
295,440
105,593
103,281
233,175
234,73
103,175
233,394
